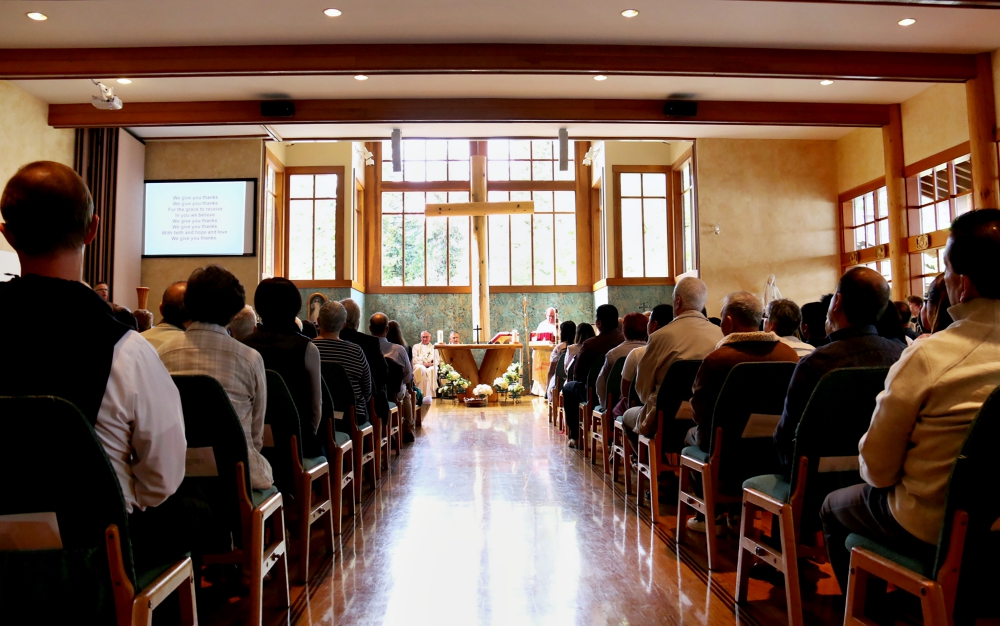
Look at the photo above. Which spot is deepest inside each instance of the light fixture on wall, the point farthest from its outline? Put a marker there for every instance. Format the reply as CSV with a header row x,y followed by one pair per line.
x,y
588,159
716,229
907,21
367,156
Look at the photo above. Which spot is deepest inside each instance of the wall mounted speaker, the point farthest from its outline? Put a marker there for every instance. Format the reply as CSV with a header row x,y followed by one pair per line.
x,y
563,150
681,108
277,108
397,150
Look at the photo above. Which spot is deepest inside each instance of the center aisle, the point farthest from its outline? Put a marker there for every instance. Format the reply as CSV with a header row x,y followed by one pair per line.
x,y
488,518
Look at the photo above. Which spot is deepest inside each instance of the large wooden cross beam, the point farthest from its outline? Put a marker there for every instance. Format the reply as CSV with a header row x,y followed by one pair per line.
x,y
479,208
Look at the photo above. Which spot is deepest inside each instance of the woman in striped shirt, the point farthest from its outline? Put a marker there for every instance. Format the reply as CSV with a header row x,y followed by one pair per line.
x,y
332,349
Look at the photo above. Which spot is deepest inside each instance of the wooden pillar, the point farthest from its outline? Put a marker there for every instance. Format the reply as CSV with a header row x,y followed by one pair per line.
x,y
480,255
982,134
895,185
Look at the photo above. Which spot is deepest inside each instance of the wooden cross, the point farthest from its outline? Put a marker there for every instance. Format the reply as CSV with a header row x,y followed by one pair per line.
x,y
479,208
477,330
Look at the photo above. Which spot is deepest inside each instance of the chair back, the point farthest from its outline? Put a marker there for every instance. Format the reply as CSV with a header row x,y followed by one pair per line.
x,y
747,410
973,488
614,384
282,421
393,378
216,443
55,464
561,365
673,404
837,415
344,404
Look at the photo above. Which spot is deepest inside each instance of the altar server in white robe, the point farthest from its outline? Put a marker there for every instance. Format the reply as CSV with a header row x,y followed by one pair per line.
x,y
425,363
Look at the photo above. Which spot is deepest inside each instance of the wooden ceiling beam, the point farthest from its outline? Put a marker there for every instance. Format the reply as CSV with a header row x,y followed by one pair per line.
x,y
374,59
466,110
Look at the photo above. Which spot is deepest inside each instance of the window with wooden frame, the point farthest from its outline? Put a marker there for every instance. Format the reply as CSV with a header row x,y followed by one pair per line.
x,y
314,211
684,184
865,219
535,250
642,221
938,189
274,183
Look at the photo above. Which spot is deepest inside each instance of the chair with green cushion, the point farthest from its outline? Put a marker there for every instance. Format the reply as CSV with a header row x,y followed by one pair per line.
x,y
673,399
82,571
389,428
826,458
600,428
294,474
344,402
558,411
586,408
747,410
339,445
959,586
217,473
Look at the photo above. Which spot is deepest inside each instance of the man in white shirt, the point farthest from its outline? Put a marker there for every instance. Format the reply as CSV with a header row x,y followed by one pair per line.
x,y
214,295
175,318
425,363
634,328
108,371
921,420
660,316
548,325
783,318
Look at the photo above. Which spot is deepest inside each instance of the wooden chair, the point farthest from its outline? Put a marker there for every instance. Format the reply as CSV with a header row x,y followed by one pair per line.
x,y
295,474
959,586
389,428
418,410
72,481
339,445
586,409
559,412
621,446
600,428
747,410
218,475
335,377
826,458
673,399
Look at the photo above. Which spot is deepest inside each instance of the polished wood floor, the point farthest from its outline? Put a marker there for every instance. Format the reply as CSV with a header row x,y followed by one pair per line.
x,y
488,518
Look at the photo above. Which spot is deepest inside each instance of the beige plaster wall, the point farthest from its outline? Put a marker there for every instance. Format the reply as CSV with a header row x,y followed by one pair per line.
x,y
775,202
25,136
180,160
860,158
129,197
933,121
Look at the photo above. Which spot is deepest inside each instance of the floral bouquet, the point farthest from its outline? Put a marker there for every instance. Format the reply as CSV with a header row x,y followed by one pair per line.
x,y
482,391
451,382
515,390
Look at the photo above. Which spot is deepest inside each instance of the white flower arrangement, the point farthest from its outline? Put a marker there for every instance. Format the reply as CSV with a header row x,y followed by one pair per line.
x,y
501,384
515,389
453,375
482,391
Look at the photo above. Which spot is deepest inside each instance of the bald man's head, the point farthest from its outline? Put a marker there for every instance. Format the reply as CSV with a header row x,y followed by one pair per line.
x,y
172,307
47,208
864,294
378,324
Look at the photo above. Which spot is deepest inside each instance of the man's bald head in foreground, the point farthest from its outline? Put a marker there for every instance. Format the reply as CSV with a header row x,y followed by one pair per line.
x,y
47,209
861,297
378,324
172,307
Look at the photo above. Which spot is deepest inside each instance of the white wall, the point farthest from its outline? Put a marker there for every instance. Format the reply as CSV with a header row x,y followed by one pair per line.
x,y
128,221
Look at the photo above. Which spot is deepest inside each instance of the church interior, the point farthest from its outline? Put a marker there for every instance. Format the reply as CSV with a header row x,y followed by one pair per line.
x,y
491,179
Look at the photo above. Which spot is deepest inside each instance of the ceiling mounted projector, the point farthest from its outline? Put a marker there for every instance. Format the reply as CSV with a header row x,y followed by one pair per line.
x,y
107,101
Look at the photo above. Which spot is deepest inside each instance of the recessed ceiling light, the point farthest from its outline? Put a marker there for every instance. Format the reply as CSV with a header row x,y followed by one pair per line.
x,y
909,21
600,77
360,77
629,13
38,17
333,13
124,81
826,82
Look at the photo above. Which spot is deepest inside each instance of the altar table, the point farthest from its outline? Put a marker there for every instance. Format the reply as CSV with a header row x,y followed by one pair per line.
x,y
497,359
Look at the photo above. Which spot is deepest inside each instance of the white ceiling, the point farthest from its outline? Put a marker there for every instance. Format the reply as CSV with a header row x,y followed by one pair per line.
x,y
116,23
474,86
309,132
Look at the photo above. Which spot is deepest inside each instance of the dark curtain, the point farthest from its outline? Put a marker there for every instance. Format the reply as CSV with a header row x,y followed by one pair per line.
x,y
96,160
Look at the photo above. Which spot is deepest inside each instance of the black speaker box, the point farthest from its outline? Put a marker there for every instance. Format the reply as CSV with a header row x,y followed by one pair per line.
x,y
277,108
681,108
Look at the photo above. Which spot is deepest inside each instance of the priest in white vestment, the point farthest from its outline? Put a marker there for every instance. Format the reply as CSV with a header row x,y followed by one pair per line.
x,y
425,364
548,325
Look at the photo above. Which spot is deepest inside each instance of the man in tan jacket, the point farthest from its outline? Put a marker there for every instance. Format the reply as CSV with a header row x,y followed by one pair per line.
x,y
690,336
921,420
